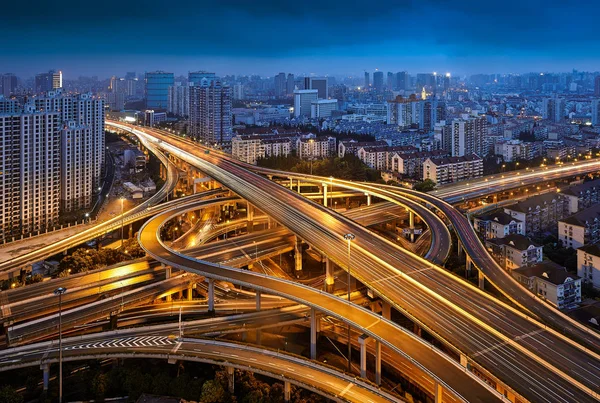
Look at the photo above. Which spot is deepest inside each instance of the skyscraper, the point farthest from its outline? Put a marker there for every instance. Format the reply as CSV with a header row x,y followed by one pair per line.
x,y
290,84
197,77
553,109
367,80
48,81
401,80
210,112
468,136
597,86
8,84
378,80
179,99
303,100
596,112
391,81
405,112
30,183
157,89
280,85
317,83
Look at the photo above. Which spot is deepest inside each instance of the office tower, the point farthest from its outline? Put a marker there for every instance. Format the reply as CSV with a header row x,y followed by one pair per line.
x,y
210,112
317,83
290,84
8,84
280,85
131,84
197,77
401,80
468,136
378,80
323,108
303,100
597,86
596,112
425,80
405,112
82,145
238,91
367,80
553,109
30,163
48,81
179,99
391,81
439,112
157,89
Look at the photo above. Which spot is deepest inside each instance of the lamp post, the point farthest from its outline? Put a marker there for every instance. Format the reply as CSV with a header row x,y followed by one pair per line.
x,y
349,237
122,219
60,291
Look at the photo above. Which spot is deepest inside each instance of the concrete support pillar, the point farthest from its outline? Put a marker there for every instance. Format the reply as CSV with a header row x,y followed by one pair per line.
x,y
190,292
298,255
464,361
386,310
363,340
325,194
438,392
368,199
377,362
313,334
230,379
459,248
481,280
417,330
299,188
46,375
250,216
287,392
258,298
167,270
468,267
411,224
211,295
329,279
291,184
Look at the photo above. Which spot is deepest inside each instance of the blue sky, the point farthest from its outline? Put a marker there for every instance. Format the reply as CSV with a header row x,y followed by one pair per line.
x,y
322,37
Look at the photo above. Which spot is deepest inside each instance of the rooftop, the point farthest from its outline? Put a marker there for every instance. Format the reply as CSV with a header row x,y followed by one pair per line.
x,y
549,271
454,160
575,190
584,216
498,216
520,242
532,203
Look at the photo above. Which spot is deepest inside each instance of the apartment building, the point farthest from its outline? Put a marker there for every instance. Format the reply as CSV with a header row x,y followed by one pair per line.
x,y
312,147
443,170
352,146
380,157
539,213
588,264
210,112
581,228
551,282
582,196
497,224
250,148
411,164
514,251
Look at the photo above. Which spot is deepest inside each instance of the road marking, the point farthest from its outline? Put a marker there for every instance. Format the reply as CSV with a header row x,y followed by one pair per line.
x,y
176,348
346,389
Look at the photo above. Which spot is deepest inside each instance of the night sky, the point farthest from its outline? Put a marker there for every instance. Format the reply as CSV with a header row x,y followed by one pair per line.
x,y
307,36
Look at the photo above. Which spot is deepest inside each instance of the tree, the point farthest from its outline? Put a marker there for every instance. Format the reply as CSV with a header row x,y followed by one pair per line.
x,y
212,392
9,395
99,386
425,186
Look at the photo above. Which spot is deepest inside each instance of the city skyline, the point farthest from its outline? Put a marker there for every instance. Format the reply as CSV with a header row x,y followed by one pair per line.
x,y
266,37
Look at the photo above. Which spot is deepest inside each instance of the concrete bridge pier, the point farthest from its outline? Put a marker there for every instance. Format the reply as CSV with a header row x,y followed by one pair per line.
x,y
329,278
313,334
250,217
378,362
386,310
298,255
46,374
258,301
363,340
411,224
325,194
481,279
190,292
368,198
287,391
468,267
438,392
230,379
211,295
167,270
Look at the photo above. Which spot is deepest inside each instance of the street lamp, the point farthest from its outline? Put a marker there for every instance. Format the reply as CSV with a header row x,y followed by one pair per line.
x,y
122,219
349,237
60,291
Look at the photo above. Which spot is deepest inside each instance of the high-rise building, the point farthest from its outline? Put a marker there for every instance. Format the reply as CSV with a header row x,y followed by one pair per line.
x,y
391,81
367,80
317,83
210,112
179,99
596,112
290,84
446,82
197,77
280,85
553,109
468,136
405,112
30,166
597,86
238,91
82,145
303,100
157,89
8,84
401,80
378,80
426,80
48,81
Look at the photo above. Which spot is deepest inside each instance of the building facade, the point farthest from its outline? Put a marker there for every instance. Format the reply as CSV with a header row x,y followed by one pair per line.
x,y
452,169
497,224
580,229
588,264
551,282
250,148
157,89
308,148
514,251
303,100
210,113
539,213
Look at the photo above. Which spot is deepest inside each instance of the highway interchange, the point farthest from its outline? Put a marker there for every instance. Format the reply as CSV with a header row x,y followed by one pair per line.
x,y
512,346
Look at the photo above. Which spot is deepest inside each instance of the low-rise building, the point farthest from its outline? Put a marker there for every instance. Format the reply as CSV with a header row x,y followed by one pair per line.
x,y
583,196
514,251
352,146
580,229
497,224
539,213
551,282
452,169
411,164
588,264
250,148
312,147
379,157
